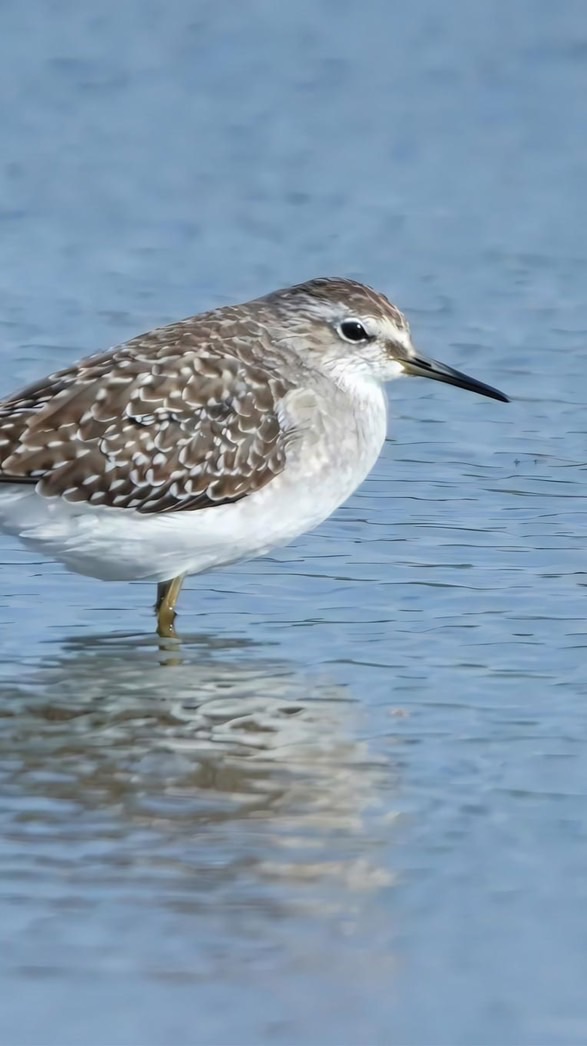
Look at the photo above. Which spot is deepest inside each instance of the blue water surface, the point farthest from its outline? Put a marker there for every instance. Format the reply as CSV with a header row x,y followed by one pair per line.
x,y
351,808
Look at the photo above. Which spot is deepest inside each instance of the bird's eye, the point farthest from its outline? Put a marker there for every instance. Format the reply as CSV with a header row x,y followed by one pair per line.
x,y
353,330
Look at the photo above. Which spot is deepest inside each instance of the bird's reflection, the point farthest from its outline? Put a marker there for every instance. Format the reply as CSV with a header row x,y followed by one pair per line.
x,y
223,771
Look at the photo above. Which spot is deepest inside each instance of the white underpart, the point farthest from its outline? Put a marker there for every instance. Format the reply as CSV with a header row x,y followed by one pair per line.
x,y
396,369
340,429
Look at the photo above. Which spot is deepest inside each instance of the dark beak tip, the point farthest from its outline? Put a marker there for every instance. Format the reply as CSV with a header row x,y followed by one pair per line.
x,y
487,390
422,367
501,396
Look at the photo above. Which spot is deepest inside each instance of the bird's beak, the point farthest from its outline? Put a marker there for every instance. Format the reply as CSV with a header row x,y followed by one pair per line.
x,y
421,367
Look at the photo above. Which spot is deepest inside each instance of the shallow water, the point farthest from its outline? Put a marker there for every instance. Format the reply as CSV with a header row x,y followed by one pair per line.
x,y
350,806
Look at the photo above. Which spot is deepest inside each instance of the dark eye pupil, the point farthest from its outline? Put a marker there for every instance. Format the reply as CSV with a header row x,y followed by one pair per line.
x,y
353,331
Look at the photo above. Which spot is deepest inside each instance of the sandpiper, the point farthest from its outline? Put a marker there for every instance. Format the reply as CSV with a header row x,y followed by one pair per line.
x,y
211,440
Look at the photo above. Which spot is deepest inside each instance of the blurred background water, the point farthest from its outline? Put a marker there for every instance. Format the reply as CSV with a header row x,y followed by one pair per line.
x,y
351,808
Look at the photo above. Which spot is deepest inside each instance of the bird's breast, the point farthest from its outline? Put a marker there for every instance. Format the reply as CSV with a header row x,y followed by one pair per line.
x,y
337,431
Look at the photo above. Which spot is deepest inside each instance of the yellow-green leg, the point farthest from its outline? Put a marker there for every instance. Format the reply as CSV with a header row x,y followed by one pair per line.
x,y
167,596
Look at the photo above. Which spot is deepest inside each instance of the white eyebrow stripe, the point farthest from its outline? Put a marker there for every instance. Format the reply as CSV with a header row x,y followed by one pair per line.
x,y
402,337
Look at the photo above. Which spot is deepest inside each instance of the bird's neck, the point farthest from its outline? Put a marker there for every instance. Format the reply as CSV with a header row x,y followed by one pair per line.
x,y
357,382
368,400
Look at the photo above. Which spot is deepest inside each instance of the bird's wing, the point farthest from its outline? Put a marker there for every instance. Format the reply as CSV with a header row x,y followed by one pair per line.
x,y
165,423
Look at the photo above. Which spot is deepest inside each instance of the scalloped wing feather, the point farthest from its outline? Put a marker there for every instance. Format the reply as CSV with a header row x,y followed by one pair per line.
x,y
165,423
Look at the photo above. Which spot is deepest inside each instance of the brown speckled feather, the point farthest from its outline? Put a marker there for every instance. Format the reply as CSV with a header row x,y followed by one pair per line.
x,y
183,417
171,420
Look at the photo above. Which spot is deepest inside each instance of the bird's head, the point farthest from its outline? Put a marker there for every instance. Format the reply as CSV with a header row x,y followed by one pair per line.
x,y
349,328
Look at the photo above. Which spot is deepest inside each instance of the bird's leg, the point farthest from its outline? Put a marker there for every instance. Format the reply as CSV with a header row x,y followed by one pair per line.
x,y
167,595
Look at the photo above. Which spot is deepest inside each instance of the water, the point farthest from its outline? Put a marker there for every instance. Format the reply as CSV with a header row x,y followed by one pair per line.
x,y
351,808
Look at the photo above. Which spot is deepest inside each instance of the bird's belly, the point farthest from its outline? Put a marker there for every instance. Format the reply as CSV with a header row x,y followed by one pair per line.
x,y
119,544
116,544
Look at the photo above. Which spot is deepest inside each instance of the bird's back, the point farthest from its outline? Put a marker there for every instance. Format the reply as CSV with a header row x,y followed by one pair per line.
x,y
183,417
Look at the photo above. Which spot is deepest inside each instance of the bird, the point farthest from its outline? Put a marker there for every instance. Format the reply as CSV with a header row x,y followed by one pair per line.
x,y
211,440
